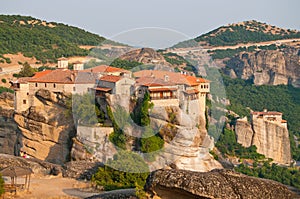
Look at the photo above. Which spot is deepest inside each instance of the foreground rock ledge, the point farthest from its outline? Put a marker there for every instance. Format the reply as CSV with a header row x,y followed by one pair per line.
x,y
168,184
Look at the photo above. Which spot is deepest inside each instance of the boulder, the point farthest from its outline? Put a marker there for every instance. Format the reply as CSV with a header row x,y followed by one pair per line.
x,y
168,184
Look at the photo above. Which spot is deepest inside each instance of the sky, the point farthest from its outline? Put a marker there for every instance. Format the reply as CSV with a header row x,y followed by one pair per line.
x,y
188,18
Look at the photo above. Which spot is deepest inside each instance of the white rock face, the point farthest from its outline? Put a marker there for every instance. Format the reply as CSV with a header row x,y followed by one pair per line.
x,y
189,147
270,138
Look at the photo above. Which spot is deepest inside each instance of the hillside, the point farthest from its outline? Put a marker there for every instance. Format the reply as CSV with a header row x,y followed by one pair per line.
x,y
43,40
245,32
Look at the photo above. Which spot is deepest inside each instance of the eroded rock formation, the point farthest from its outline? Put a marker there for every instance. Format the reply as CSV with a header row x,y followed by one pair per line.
x,y
270,137
46,131
9,131
271,67
186,140
169,184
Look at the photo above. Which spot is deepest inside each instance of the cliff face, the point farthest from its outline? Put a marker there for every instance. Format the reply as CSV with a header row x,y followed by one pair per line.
x,y
8,128
167,184
271,67
271,139
186,140
46,132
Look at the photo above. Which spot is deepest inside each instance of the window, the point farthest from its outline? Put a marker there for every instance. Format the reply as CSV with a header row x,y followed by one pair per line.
x,y
24,101
45,85
54,86
36,84
27,93
201,86
74,88
140,91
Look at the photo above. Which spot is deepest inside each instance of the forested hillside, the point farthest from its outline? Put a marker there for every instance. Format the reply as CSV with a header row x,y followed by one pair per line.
x,y
249,31
43,40
285,99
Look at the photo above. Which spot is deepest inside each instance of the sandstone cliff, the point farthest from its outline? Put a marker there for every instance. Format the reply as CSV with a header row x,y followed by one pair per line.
x,y
9,131
168,184
270,138
271,67
46,132
187,143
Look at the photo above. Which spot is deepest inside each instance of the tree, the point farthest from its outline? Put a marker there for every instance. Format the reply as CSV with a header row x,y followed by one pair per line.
x,y
126,170
26,71
84,109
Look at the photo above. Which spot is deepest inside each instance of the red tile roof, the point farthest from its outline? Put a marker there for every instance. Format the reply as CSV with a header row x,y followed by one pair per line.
x,y
151,81
41,73
283,121
56,76
102,89
193,91
105,69
110,78
174,78
23,80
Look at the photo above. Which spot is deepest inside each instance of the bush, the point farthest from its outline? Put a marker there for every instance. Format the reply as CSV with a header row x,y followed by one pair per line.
x,y
126,170
3,80
4,89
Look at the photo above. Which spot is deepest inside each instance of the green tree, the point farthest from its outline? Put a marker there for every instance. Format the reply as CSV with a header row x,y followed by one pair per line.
x,y
126,170
84,109
27,70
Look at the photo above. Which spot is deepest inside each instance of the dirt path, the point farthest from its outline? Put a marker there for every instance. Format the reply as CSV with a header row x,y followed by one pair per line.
x,y
55,188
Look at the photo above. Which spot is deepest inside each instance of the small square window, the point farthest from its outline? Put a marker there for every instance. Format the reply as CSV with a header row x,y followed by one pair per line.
x,y
24,101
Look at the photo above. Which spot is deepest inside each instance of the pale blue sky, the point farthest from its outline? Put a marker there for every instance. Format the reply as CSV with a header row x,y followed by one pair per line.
x,y
191,17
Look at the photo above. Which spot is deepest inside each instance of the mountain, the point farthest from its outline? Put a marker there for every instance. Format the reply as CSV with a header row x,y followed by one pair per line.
x,y
46,41
244,32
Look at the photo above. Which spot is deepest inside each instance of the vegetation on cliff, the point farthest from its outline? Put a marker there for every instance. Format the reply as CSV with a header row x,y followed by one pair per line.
x,y
43,40
249,31
4,89
260,167
285,99
126,170
1,185
228,145
285,175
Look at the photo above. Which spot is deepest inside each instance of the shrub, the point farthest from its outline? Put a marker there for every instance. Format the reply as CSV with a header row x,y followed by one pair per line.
x,y
3,80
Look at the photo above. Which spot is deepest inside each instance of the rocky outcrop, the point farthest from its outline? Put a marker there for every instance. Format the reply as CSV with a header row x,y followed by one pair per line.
x,y
186,140
145,56
167,184
270,138
271,67
46,132
9,131
244,132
